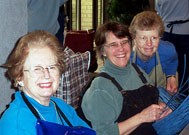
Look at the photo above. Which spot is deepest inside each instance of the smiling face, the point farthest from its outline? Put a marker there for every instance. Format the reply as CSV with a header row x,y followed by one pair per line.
x,y
40,87
119,55
146,43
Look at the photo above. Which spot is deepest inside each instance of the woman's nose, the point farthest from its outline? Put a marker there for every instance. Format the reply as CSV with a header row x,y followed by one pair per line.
x,y
46,73
149,42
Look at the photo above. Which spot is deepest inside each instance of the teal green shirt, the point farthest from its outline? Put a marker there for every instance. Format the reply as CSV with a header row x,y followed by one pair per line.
x,y
102,103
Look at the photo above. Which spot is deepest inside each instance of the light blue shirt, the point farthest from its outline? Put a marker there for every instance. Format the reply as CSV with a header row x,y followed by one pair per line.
x,y
174,10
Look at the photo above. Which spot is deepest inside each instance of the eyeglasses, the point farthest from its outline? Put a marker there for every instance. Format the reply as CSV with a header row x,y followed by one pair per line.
x,y
39,71
115,45
144,39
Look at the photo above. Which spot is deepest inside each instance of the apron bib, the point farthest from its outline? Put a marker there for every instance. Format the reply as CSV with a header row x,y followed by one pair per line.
x,y
135,101
157,76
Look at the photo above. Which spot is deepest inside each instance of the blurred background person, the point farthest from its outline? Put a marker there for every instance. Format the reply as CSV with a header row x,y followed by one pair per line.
x,y
45,15
175,15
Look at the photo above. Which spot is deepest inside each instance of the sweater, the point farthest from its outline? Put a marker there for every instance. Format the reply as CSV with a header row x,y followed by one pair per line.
x,y
102,102
19,120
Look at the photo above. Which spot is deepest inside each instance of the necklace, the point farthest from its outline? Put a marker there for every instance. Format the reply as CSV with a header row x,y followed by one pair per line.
x,y
56,113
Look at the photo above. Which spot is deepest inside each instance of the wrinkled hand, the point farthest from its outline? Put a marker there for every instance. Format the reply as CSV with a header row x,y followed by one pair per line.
x,y
152,113
171,85
166,110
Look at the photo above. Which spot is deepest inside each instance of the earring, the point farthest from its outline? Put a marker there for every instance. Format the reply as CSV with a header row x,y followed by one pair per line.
x,y
104,54
21,83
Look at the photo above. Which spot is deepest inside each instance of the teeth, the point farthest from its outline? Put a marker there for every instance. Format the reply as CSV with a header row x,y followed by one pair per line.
x,y
45,84
120,56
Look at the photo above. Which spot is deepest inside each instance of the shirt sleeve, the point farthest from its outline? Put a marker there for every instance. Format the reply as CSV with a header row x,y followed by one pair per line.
x,y
169,59
99,107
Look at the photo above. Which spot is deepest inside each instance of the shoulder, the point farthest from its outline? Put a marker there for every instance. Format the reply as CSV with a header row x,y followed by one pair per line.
x,y
16,116
166,45
166,48
96,86
105,82
100,88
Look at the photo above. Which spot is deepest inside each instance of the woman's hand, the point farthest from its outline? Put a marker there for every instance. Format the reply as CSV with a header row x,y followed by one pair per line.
x,y
166,110
151,113
171,85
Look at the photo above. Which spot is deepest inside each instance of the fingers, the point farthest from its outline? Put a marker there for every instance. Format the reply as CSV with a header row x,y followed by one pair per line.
x,y
166,112
152,113
157,112
172,91
171,85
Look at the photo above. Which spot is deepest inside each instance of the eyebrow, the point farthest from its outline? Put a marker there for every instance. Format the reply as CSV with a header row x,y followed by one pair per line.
x,y
122,39
46,66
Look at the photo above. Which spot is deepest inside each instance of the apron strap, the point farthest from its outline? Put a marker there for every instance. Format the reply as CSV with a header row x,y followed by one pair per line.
x,y
107,76
32,109
156,57
35,113
62,114
170,25
140,74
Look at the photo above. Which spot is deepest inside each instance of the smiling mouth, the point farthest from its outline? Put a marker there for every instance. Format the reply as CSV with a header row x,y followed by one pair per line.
x,y
121,56
148,49
45,85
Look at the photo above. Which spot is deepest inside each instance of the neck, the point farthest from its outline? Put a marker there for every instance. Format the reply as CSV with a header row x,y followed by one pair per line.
x,y
142,57
43,100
